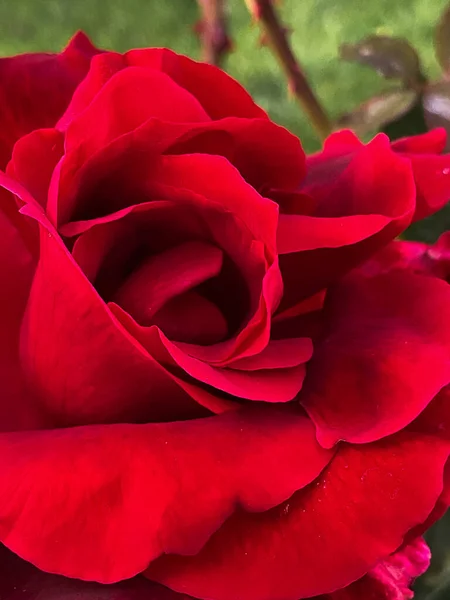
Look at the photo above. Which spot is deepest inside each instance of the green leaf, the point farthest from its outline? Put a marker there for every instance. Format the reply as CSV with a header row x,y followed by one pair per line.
x,y
393,58
436,107
377,112
442,40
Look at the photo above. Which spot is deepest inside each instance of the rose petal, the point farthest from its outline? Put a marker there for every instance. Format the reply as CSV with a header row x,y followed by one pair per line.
x,y
267,157
263,385
126,101
432,142
431,172
17,264
432,178
357,211
117,380
355,515
22,581
163,277
220,95
391,578
37,88
384,357
100,502
34,159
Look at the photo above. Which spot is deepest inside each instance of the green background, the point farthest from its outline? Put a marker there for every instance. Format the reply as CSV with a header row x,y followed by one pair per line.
x,y
319,27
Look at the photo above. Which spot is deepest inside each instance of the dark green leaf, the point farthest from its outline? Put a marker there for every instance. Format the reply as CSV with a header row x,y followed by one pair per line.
x,y
436,106
393,58
378,111
442,40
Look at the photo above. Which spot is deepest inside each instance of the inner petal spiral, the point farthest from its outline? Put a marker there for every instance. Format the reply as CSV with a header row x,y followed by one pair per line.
x,y
160,290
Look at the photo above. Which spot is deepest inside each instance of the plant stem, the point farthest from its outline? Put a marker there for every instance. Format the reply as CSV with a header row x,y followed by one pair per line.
x,y
213,31
275,34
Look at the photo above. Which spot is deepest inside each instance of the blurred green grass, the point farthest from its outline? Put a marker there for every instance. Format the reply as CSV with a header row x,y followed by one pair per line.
x,y
319,27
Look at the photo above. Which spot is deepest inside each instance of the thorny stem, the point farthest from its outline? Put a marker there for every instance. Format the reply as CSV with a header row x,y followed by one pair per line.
x,y
275,35
213,31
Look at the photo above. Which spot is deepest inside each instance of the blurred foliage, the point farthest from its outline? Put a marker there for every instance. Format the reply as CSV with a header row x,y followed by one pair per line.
x,y
397,39
318,29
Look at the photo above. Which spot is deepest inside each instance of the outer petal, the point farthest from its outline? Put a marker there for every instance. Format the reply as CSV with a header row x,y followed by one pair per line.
x,y
22,581
219,94
324,537
386,354
265,155
358,210
37,88
415,256
99,503
34,159
83,364
17,264
391,578
431,171
126,101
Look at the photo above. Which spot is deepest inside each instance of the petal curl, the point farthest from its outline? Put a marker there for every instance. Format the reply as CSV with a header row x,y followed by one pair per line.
x,y
391,578
357,210
384,357
37,88
17,265
121,495
326,536
220,95
23,581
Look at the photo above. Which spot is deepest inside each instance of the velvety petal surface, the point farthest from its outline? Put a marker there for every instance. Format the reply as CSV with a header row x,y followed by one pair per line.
x,y
351,518
37,88
220,95
101,502
117,380
17,264
431,170
22,581
357,210
383,357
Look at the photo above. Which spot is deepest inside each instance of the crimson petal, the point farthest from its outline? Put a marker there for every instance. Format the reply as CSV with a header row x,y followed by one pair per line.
x,y
220,95
386,354
23,581
326,536
358,210
101,502
37,88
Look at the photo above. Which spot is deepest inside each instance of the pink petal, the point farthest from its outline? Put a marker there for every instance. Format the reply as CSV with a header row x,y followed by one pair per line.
x,y
386,352
391,578
101,502
324,537
37,88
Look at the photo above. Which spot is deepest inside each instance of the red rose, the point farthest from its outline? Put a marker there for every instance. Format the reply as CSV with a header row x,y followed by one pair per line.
x,y
189,333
